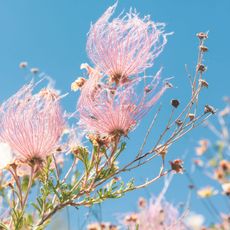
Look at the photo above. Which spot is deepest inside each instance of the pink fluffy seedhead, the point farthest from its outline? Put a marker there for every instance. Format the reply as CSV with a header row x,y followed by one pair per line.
x,y
126,45
158,214
31,123
111,111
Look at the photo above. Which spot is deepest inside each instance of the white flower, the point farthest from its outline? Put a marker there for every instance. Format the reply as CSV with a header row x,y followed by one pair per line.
x,y
6,155
226,188
194,221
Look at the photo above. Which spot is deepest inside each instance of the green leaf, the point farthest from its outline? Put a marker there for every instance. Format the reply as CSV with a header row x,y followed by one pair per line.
x,y
120,150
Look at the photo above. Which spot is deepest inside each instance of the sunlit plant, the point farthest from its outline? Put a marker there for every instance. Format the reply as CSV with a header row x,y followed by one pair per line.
x,y
37,178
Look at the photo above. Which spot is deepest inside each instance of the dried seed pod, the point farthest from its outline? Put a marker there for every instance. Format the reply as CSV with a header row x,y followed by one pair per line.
x,y
202,35
23,65
203,83
209,109
191,186
168,84
225,165
177,166
78,83
59,149
34,70
201,68
175,103
179,122
147,89
203,48
191,116
142,202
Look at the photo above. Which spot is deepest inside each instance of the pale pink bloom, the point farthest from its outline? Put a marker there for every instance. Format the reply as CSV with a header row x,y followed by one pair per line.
x,y
126,45
158,214
31,123
115,111
202,148
194,221
6,155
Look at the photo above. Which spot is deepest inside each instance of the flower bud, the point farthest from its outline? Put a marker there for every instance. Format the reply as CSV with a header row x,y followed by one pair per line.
x,y
203,48
203,83
177,166
209,109
201,67
78,83
191,116
175,103
23,65
179,122
202,35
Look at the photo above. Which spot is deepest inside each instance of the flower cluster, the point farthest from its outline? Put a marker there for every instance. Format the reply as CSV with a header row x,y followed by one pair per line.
x,y
109,104
111,111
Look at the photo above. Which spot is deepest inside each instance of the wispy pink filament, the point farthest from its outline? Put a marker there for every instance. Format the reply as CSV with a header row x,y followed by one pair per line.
x,y
108,111
126,45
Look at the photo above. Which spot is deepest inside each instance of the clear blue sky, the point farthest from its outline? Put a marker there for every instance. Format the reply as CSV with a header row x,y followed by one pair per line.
x,y
51,35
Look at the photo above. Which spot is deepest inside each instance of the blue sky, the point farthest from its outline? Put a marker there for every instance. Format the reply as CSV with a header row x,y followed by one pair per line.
x,y
51,35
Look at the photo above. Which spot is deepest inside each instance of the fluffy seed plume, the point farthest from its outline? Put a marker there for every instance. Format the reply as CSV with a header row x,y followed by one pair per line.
x,y
114,111
31,123
126,45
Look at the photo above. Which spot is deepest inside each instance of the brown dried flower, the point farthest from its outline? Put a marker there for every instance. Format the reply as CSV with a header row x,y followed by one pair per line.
x,y
78,83
225,165
209,109
203,48
191,116
201,67
203,83
177,166
179,122
175,103
202,35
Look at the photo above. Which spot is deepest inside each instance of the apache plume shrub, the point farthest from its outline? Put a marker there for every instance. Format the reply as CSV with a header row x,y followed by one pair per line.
x,y
35,138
